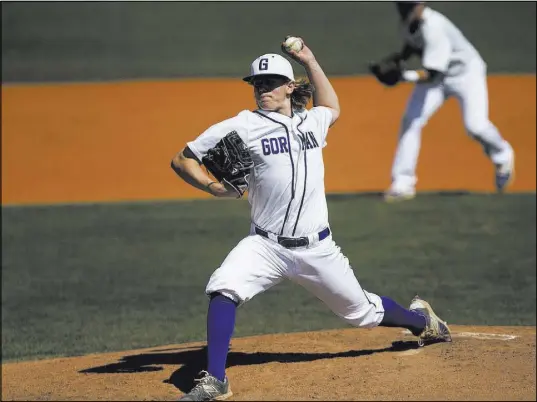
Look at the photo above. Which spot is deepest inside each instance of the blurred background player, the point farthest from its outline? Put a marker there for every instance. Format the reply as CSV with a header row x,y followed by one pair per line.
x,y
451,66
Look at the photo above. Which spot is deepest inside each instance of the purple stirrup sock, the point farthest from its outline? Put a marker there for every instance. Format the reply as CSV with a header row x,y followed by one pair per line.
x,y
397,316
220,326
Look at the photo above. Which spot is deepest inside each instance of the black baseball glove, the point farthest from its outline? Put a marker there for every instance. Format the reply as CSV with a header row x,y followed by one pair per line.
x,y
230,162
388,71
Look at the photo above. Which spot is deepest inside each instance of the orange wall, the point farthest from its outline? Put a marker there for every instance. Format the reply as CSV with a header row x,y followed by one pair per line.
x,y
114,141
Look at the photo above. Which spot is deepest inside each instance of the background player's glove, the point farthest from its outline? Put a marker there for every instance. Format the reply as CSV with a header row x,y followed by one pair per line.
x,y
388,72
230,162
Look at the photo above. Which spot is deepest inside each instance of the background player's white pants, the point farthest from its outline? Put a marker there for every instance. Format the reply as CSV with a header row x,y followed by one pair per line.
x,y
470,90
257,263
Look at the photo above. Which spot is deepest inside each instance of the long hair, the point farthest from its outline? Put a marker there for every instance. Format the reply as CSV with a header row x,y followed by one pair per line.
x,y
302,94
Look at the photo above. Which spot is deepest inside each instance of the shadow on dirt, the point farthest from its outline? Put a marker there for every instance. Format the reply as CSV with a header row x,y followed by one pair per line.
x,y
192,361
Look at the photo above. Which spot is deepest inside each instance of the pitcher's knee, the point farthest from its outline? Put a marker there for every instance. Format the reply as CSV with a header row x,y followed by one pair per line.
x,y
366,317
218,286
229,294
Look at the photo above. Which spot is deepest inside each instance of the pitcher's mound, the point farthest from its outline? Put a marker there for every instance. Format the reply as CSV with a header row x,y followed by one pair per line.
x,y
482,363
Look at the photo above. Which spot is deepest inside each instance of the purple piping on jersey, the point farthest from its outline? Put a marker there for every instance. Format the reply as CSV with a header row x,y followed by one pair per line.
x,y
305,172
292,169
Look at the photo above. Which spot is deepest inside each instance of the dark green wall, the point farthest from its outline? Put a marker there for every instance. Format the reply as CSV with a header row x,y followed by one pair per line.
x,y
63,41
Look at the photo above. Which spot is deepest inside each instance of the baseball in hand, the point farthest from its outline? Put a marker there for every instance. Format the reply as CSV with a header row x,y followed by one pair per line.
x,y
293,43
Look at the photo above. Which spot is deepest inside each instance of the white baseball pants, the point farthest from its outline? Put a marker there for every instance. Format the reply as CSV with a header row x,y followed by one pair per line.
x,y
470,90
257,263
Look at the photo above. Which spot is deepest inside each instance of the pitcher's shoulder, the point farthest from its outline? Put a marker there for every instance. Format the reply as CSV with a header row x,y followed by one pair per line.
x,y
250,116
246,113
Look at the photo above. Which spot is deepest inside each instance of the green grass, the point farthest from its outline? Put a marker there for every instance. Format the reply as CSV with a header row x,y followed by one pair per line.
x,y
103,277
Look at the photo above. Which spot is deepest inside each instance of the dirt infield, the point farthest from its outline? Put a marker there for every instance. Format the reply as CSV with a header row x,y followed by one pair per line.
x,y
482,363
114,141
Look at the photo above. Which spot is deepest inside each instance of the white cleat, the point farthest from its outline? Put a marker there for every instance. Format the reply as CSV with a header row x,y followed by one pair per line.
x,y
435,330
505,174
396,196
209,388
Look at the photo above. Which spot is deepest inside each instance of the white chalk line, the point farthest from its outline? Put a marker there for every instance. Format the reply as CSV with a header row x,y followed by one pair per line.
x,y
478,335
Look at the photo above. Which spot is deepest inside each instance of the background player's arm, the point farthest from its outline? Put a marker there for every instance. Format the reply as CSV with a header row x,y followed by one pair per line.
x,y
405,54
435,58
418,76
423,75
187,167
324,94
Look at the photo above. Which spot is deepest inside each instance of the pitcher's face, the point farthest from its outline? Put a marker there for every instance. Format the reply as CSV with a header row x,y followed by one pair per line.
x,y
272,91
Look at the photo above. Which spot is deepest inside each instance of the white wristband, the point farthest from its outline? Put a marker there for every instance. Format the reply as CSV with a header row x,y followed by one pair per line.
x,y
411,76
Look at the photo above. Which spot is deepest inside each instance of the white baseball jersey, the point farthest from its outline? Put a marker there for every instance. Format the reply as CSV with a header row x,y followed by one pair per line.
x,y
286,185
444,47
287,197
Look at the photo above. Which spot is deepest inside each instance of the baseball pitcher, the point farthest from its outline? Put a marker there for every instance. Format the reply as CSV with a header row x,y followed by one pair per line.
x,y
451,67
275,152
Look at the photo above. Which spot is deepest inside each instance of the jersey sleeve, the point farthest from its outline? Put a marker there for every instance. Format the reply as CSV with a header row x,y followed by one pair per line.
x,y
436,49
323,117
210,137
